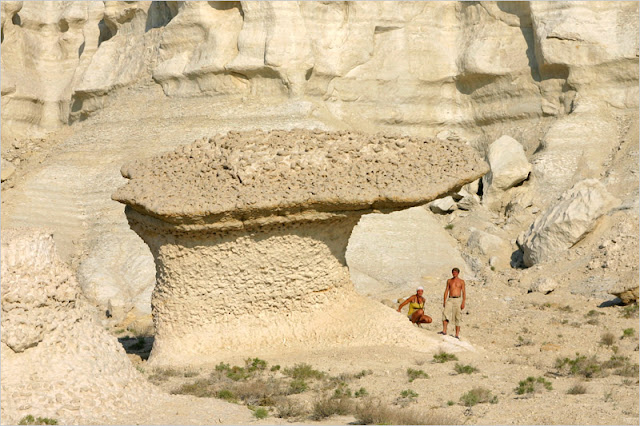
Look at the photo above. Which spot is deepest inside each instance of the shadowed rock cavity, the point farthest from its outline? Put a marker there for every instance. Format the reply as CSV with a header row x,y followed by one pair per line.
x,y
249,233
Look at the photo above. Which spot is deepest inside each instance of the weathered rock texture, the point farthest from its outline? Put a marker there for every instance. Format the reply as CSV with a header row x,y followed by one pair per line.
x,y
56,360
249,233
566,222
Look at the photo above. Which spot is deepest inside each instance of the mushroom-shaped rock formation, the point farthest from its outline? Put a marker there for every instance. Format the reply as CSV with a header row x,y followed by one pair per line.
x,y
249,233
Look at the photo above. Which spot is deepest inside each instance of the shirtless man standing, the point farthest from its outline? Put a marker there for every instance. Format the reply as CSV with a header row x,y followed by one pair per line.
x,y
452,304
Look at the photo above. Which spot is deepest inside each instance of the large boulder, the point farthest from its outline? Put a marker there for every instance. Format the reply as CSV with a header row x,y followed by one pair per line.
x,y
509,167
390,254
566,222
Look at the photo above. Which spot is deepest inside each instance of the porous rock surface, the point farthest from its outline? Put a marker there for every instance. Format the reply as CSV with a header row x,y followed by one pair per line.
x,y
57,361
257,175
249,233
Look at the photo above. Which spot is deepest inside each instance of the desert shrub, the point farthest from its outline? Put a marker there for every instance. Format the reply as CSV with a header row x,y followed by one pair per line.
x,y
361,393
200,388
30,420
362,374
450,403
449,226
580,366
442,357
190,373
578,389
260,413
593,313
593,321
523,341
408,393
416,374
227,395
465,369
303,371
297,386
287,409
533,385
275,368
628,332
237,373
255,364
630,311
566,308
622,365
259,392
222,367
607,339
342,391
163,374
372,412
327,407
478,395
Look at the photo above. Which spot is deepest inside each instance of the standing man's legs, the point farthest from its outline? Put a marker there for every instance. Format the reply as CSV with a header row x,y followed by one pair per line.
x,y
457,316
445,318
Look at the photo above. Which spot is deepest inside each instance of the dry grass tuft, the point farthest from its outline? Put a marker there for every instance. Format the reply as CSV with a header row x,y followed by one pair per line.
x,y
372,412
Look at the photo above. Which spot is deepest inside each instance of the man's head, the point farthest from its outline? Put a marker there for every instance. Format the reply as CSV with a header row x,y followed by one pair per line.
x,y
455,272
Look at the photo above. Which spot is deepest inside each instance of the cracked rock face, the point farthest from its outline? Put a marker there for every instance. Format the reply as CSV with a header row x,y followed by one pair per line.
x,y
249,233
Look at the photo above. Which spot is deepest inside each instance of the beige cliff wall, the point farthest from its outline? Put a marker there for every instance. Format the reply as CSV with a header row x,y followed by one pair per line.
x,y
408,66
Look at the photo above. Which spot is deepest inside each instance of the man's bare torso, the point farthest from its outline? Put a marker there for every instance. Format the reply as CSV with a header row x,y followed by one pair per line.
x,y
455,286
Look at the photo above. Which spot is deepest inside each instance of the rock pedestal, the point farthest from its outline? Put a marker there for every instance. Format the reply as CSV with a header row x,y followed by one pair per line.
x,y
249,234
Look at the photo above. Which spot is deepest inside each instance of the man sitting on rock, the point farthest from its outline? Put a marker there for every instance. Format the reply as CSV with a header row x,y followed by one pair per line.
x,y
416,308
453,305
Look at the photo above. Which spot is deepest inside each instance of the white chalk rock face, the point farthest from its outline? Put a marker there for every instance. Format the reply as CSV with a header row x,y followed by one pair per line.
x,y
508,162
489,246
543,285
118,273
55,357
6,170
443,205
567,222
388,254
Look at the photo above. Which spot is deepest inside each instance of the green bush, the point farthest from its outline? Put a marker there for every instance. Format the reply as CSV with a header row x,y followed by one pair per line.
x,y
416,374
275,368
442,357
286,408
450,403
361,393
303,371
408,393
363,373
260,413
253,364
30,420
373,412
580,365
298,386
465,369
532,385
227,395
478,395
236,373
628,332
222,367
